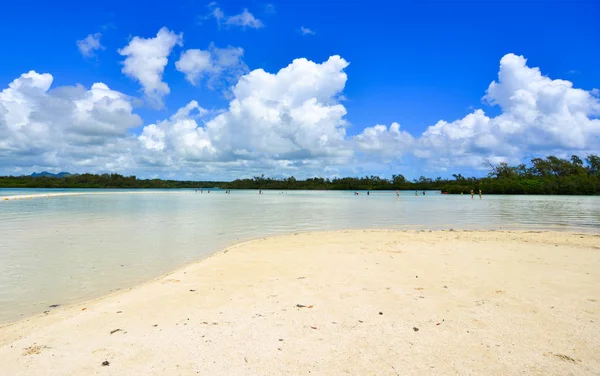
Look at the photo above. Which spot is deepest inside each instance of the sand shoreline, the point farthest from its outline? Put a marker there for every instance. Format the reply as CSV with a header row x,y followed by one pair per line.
x,y
70,306
524,302
94,193
225,249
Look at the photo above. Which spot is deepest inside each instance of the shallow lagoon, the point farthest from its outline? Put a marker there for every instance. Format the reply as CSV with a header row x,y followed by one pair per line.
x,y
63,250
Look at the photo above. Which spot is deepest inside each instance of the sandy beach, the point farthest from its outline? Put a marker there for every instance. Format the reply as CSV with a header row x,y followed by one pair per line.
x,y
372,302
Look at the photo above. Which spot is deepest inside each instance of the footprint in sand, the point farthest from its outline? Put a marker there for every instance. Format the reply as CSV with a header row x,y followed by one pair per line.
x,y
33,350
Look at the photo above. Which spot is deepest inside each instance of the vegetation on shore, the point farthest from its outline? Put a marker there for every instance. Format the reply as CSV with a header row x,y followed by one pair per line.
x,y
549,175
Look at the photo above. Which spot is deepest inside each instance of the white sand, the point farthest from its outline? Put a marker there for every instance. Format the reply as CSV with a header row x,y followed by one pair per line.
x,y
484,303
39,195
65,194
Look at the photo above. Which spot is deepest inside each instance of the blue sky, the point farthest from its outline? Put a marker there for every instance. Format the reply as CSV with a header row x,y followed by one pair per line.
x,y
410,62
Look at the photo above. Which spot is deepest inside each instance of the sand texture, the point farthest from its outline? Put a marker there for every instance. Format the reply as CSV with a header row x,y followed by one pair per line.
x,y
371,302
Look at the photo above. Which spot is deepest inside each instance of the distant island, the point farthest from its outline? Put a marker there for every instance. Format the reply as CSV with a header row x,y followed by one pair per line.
x,y
550,175
50,175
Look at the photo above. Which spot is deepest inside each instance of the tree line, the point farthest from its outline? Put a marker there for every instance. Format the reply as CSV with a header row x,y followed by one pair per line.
x,y
550,175
97,181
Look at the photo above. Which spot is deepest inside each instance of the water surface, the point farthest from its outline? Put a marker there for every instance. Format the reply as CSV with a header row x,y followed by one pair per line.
x,y
67,249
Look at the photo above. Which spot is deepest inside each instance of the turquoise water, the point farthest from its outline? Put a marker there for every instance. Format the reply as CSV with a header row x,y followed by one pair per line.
x,y
63,250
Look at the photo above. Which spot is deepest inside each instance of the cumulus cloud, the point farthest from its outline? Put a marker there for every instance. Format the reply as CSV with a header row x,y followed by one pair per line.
x,y
70,126
243,20
384,141
146,60
539,115
306,31
89,45
291,118
294,113
178,140
218,65
287,122
194,63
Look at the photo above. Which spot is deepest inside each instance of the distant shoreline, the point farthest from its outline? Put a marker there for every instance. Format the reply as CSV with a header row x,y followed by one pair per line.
x,y
543,176
79,191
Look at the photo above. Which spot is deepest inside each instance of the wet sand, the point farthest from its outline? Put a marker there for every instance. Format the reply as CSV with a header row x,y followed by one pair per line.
x,y
370,302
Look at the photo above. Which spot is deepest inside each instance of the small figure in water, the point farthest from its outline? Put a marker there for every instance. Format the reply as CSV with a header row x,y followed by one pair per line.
x,y
480,194
472,194
416,193
209,191
259,192
423,193
397,193
201,190
367,193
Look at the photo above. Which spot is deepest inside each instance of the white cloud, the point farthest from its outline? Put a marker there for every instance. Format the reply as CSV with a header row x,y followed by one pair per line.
x,y
539,115
194,63
306,31
89,44
217,13
243,20
288,119
384,141
180,136
70,126
219,65
288,122
293,114
146,60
